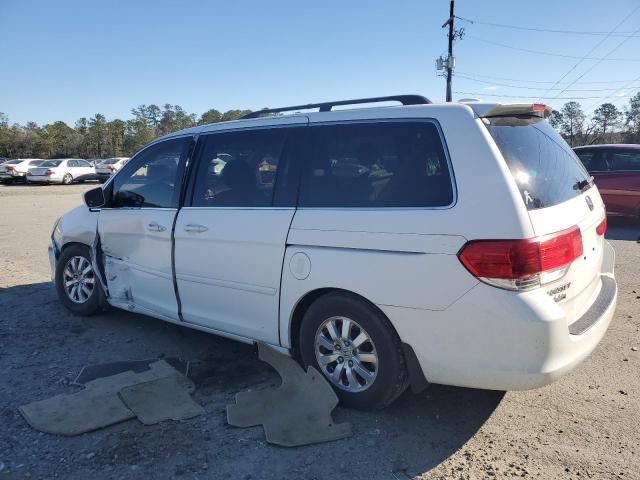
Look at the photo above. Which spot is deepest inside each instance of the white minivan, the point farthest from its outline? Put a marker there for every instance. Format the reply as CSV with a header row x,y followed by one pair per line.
x,y
460,244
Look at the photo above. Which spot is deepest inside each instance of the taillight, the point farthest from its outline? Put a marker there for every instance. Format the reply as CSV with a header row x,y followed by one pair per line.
x,y
48,172
112,168
9,168
522,264
601,229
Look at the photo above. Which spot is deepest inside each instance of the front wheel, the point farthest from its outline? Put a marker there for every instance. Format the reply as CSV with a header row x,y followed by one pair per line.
x,y
67,179
356,348
76,282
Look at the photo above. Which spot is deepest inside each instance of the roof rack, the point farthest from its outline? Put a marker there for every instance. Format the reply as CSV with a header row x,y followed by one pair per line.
x,y
328,106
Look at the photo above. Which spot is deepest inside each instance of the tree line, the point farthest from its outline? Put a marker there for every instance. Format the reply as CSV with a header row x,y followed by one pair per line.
x,y
608,124
97,137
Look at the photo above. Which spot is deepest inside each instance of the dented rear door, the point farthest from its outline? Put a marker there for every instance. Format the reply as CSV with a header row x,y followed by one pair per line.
x,y
135,231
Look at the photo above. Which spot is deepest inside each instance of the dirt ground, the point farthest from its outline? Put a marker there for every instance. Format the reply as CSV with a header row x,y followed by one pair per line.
x,y
587,425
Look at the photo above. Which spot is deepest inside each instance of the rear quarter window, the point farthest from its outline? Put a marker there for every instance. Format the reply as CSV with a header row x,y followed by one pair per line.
x,y
376,164
543,166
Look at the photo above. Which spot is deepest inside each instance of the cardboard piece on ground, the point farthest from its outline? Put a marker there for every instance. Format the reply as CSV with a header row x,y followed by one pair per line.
x,y
96,406
163,399
296,413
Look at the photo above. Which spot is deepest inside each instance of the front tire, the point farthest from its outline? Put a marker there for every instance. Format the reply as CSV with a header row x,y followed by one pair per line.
x,y
77,285
356,348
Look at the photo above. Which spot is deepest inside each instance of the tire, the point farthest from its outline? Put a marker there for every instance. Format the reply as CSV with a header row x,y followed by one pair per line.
x,y
78,303
388,376
67,179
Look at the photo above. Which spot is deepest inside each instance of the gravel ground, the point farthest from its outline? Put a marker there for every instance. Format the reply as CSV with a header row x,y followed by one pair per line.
x,y
584,426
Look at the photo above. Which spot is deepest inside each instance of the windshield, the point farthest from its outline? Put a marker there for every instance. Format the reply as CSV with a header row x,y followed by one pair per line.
x,y
51,163
544,167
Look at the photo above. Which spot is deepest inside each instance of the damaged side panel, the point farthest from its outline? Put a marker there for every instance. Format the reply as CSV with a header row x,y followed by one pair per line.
x,y
135,261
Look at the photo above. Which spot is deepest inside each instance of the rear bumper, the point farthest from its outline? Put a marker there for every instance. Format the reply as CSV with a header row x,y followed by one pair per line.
x,y
43,179
498,340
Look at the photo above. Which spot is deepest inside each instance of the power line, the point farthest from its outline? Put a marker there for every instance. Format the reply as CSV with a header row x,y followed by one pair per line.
x,y
483,94
592,50
546,30
624,87
526,80
551,54
537,88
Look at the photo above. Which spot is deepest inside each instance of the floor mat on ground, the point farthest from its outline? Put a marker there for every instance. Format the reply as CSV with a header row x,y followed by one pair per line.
x,y
92,372
163,399
298,412
97,405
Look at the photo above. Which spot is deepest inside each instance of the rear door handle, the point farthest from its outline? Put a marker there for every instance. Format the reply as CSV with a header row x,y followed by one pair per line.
x,y
154,227
195,228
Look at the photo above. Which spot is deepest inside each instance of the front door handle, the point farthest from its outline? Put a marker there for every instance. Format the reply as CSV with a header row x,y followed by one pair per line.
x,y
154,227
195,228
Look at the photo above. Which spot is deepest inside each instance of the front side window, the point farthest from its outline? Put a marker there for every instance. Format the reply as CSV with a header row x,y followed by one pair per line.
x,y
377,164
238,169
593,160
625,161
153,179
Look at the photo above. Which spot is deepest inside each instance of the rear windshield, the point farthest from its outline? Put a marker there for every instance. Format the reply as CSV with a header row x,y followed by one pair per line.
x,y
544,167
110,161
13,162
51,163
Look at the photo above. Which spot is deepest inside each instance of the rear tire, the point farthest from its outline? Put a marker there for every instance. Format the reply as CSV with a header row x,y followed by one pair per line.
x,y
67,179
366,365
79,292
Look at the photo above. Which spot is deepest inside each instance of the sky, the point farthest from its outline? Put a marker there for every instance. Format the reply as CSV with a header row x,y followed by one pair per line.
x,y
66,59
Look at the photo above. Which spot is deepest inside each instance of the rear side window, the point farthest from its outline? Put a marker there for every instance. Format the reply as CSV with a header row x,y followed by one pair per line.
x,y
544,167
238,169
625,161
377,164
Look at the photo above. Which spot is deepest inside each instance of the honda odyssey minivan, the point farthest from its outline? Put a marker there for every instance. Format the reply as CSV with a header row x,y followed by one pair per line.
x,y
460,244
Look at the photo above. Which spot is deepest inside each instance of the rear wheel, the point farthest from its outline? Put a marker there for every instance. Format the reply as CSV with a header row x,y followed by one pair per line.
x,y
67,179
355,347
76,283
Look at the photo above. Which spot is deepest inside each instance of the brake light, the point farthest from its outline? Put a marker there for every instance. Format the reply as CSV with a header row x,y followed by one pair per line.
x,y
48,172
112,168
9,168
538,107
602,227
522,264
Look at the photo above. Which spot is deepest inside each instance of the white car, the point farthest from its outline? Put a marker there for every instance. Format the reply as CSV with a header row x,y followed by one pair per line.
x,y
63,170
16,170
467,248
106,168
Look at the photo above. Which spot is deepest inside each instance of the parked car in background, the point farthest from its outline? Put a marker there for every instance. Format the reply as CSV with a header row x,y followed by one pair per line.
x,y
365,242
64,170
108,167
616,171
3,159
16,170
95,161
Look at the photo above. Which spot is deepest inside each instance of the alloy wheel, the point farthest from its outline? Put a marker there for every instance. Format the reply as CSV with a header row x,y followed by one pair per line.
x,y
346,354
78,279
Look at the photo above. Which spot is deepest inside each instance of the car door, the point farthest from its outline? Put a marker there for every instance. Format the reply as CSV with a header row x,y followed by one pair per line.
x,y
230,237
622,187
135,229
85,170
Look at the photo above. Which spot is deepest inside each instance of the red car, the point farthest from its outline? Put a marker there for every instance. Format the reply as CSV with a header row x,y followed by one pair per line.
x,y
616,170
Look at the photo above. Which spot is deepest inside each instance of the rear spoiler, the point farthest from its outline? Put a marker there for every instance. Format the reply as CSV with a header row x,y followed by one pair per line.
x,y
519,109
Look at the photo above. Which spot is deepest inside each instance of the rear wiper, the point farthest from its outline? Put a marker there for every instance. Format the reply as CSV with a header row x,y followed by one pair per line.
x,y
582,185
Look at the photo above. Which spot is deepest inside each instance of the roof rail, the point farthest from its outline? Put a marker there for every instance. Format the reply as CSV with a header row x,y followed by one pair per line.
x,y
328,106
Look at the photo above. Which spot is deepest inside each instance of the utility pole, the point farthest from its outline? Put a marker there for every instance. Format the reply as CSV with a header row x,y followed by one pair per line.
x,y
449,62
450,52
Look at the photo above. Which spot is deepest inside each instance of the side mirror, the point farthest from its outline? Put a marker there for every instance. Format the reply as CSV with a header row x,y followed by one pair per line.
x,y
94,198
